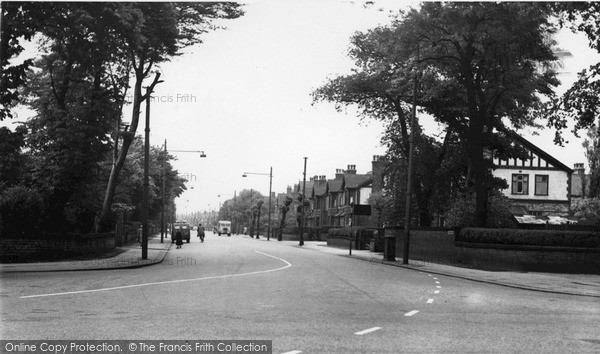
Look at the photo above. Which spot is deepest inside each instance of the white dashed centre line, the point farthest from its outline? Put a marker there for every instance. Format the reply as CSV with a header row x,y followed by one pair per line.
x,y
436,292
293,352
411,313
367,331
437,282
430,301
437,286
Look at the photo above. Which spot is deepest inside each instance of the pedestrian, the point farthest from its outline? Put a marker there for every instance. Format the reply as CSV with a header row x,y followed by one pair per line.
x,y
178,239
139,235
201,232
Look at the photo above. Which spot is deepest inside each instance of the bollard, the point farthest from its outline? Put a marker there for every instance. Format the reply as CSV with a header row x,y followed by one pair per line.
x,y
389,248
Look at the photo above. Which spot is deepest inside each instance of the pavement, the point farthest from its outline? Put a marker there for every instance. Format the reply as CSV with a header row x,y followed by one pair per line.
x,y
130,257
127,257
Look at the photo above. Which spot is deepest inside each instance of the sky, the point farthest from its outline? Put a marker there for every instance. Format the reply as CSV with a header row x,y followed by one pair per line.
x,y
243,97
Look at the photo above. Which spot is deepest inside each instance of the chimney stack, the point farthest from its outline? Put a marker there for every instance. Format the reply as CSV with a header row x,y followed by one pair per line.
x,y
351,170
579,168
339,173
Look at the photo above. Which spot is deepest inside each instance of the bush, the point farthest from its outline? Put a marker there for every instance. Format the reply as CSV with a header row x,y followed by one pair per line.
x,y
556,238
20,212
462,213
587,209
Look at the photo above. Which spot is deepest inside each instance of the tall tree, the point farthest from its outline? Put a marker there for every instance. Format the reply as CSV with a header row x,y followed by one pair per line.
x,y
161,31
480,71
74,98
381,87
592,152
581,102
17,21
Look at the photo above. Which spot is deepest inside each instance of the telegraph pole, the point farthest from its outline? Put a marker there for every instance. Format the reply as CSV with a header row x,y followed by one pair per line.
x,y
146,177
145,198
411,152
270,185
302,201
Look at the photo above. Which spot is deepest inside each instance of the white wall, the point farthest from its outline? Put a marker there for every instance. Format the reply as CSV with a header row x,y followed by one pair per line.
x,y
557,183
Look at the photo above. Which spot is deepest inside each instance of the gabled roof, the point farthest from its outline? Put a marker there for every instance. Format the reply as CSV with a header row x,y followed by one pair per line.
x,y
357,181
309,187
320,189
335,185
542,153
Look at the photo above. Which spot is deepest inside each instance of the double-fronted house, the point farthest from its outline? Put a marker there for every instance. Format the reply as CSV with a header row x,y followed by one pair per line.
x,y
357,190
539,184
319,200
335,199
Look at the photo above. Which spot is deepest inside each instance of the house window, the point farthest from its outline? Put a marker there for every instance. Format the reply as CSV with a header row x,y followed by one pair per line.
x,y
541,184
520,184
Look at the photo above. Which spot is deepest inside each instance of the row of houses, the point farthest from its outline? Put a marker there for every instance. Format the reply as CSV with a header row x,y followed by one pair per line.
x,y
539,185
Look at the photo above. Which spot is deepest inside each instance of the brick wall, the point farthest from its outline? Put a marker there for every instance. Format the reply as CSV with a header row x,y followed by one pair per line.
x,y
426,245
439,247
26,250
529,258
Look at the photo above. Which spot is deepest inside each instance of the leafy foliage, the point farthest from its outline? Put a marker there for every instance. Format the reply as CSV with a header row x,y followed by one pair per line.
x,y
479,71
587,209
21,209
78,88
592,152
462,213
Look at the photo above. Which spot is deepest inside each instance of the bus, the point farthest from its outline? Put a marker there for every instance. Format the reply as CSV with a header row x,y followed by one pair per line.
x,y
224,227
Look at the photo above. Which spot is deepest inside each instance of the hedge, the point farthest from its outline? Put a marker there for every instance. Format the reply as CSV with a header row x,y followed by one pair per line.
x,y
555,238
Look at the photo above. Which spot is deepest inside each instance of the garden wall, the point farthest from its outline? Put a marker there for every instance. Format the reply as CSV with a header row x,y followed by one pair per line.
x,y
429,245
529,258
53,248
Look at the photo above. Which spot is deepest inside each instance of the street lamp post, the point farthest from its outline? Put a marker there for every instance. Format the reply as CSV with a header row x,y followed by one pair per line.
x,y
164,168
162,196
270,174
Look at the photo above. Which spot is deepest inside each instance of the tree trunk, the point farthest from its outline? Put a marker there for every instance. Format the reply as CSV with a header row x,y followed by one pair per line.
x,y
479,173
127,141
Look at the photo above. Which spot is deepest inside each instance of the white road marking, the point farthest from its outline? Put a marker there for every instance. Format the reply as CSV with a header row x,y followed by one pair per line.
x,y
293,352
434,278
288,264
367,331
430,301
437,286
430,275
436,292
411,313
437,282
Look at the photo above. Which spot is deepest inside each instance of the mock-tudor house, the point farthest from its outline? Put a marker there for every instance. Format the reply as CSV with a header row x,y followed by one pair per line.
x,y
539,185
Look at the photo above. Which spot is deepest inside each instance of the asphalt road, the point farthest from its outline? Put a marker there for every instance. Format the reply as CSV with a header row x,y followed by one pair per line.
x,y
303,300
